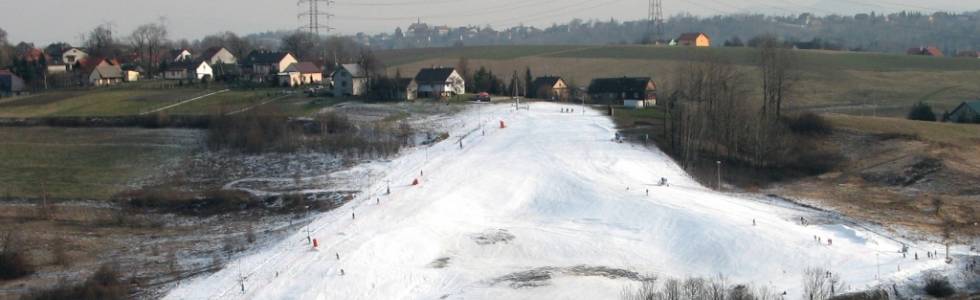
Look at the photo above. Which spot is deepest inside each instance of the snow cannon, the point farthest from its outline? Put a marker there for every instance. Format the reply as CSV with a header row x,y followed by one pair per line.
x,y
415,182
502,125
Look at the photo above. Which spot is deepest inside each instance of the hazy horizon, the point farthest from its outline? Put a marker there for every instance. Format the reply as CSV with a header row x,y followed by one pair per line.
x,y
194,19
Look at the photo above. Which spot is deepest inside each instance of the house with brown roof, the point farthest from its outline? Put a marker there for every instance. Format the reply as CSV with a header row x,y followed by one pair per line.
x,y
550,88
925,51
190,71
694,39
301,73
100,72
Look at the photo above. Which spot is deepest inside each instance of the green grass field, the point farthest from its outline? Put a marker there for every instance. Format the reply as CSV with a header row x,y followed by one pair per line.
x,y
962,135
114,101
86,163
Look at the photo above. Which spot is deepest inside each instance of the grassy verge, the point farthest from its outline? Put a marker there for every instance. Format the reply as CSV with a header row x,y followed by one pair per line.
x,y
963,135
88,163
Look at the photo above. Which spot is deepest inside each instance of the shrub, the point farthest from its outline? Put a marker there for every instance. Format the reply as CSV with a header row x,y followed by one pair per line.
x,y
809,124
210,203
922,112
14,262
939,287
105,284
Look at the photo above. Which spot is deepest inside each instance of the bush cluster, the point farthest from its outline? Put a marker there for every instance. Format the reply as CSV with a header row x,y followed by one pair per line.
x,y
105,284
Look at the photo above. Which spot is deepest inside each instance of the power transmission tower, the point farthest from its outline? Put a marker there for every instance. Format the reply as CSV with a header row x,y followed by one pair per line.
x,y
314,11
655,21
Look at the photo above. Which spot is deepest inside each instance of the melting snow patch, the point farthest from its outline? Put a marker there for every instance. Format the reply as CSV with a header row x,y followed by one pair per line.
x,y
493,236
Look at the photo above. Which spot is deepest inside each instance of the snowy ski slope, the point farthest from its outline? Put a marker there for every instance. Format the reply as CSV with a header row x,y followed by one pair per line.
x,y
567,195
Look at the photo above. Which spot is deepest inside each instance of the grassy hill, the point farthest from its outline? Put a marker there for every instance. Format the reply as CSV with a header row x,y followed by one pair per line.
x,y
846,82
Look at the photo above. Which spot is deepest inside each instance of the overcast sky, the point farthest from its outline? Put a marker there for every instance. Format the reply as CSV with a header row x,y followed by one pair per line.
x,y
45,21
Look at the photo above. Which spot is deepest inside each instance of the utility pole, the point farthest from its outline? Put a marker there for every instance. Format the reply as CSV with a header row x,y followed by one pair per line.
x,y
313,12
719,175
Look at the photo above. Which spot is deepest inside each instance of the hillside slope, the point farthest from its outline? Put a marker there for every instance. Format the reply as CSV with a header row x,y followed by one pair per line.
x,y
550,192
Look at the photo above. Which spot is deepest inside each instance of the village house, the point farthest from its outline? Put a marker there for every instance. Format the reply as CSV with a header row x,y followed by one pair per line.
x,y
439,83
349,80
550,88
190,71
925,51
966,112
406,89
219,56
259,66
72,56
694,39
179,55
301,73
10,84
100,72
632,92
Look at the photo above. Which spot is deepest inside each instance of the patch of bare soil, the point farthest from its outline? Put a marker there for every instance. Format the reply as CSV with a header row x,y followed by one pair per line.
x,y
914,186
541,276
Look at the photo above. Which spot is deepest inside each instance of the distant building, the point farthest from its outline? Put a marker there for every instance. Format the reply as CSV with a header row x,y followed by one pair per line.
x,y
179,55
190,70
260,66
925,51
72,56
966,112
219,56
638,92
694,39
10,84
439,83
550,88
349,80
100,72
407,89
301,73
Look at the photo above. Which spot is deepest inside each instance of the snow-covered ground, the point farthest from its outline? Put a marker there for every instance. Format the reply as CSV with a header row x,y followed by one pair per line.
x,y
552,190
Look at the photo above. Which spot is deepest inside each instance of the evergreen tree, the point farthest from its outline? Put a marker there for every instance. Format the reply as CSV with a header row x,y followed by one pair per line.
x,y
922,112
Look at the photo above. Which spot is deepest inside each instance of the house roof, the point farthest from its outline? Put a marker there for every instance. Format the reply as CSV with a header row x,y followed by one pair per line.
x,y
429,75
355,70
691,36
972,105
265,57
619,85
548,81
403,83
305,68
103,67
211,52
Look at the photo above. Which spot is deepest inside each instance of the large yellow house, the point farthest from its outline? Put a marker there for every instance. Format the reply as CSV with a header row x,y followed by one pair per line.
x,y
694,39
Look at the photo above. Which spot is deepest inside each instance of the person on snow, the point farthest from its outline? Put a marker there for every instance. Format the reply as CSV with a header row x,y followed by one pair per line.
x,y
341,272
753,222
338,255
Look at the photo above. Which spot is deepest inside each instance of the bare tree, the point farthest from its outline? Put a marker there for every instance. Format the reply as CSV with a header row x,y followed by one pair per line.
x,y
302,44
100,41
148,41
820,284
778,75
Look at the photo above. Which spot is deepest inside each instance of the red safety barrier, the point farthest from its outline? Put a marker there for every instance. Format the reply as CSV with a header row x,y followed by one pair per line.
x,y
502,125
416,182
315,243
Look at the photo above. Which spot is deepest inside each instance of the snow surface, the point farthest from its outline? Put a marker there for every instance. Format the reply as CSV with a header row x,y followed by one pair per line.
x,y
569,196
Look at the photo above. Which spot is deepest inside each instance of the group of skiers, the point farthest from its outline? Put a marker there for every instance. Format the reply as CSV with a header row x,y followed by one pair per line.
x,y
819,240
567,110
